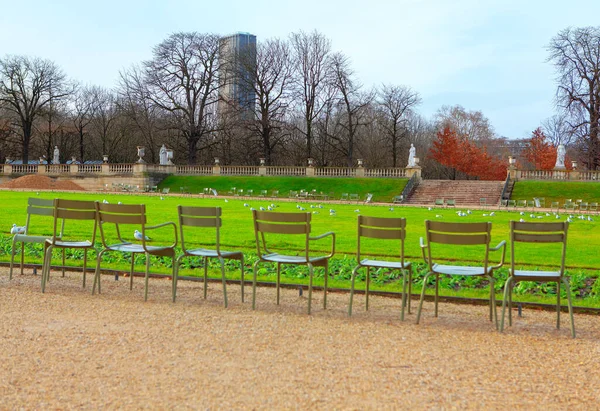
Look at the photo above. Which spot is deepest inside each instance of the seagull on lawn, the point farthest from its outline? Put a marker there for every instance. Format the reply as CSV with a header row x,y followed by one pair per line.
x,y
138,236
17,230
104,201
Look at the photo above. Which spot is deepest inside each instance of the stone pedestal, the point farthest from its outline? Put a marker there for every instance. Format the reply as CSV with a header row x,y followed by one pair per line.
x,y
216,170
262,170
139,168
512,172
310,171
360,172
411,171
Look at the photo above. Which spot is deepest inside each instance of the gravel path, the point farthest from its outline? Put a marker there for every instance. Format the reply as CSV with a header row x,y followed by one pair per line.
x,y
67,349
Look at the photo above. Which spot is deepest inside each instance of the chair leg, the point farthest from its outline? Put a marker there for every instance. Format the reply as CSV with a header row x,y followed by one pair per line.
x,y
205,262
224,281
558,305
12,258
46,266
352,289
254,269
507,292
22,256
242,269
510,304
84,264
367,288
403,294
131,271
97,273
437,292
493,301
176,276
568,291
278,281
310,285
325,285
410,272
422,296
147,276
175,273
63,262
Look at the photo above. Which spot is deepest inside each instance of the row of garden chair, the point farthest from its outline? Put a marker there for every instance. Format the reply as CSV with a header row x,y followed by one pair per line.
x,y
299,224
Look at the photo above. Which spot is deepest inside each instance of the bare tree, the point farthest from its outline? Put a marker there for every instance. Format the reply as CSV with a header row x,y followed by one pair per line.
x,y
575,52
470,125
352,104
396,103
182,80
82,112
311,59
27,86
557,130
268,72
107,138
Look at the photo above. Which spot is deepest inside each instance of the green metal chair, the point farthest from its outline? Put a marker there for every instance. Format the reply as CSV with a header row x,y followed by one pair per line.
x,y
439,202
263,193
65,210
35,207
344,197
460,234
512,204
503,204
383,229
205,217
288,224
354,197
555,206
583,207
130,215
540,233
522,204
483,202
593,208
275,194
451,203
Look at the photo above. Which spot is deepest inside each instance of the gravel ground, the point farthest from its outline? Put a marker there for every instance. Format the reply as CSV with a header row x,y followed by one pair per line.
x,y
67,349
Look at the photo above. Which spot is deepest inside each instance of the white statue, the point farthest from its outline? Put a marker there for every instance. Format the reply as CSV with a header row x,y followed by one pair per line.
x,y
56,158
560,157
163,156
411,156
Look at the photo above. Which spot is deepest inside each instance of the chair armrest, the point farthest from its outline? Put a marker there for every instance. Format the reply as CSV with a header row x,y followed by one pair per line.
x,y
153,227
330,233
423,247
502,245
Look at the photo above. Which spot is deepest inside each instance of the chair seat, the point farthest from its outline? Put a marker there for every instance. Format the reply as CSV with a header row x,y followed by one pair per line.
x,y
72,244
460,270
203,252
292,259
537,274
385,264
23,238
136,248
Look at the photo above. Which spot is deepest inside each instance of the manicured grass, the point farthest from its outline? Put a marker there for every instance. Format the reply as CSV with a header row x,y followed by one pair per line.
x,y
383,189
556,191
237,233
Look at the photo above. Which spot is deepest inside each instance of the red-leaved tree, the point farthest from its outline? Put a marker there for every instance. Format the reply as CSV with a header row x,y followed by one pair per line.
x,y
539,152
463,155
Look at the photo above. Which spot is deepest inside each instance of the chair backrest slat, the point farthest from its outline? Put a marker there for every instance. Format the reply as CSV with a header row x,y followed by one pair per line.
x,y
200,211
199,222
382,234
454,239
382,222
538,238
282,228
68,214
459,228
105,217
539,227
276,217
40,202
44,211
75,204
121,208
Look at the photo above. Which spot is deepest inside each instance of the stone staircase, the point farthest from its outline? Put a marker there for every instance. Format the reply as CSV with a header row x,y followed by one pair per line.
x,y
464,192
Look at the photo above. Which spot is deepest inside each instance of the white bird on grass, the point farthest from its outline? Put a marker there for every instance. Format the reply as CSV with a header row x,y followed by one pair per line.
x,y
485,215
391,208
138,236
531,215
302,209
557,217
521,221
226,200
162,198
104,201
331,210
246,205
315,212
492,214
429,208
119,203
357,211
262,209
438,216
522,213
270,208
590,218
273,205
569,220
17,230
547,214
468,211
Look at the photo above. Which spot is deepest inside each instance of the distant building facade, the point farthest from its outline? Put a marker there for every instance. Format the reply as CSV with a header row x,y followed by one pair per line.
x,y
237,54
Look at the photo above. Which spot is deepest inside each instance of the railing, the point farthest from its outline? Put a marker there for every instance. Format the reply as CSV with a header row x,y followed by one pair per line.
x,y
89,168
544,175
239,170
335,172
194,170
285,171
120,168
503,196
58,169
589,175
385,172
25,168
409,187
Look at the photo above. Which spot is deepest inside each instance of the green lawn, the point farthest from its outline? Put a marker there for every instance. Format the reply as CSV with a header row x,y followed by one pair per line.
x,y
556,191
237,233
383,189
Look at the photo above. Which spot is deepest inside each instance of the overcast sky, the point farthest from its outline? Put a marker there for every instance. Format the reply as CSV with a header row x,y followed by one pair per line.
x,y
485,55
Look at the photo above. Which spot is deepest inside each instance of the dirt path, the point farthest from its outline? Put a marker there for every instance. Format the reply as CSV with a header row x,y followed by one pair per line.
x,y
68,349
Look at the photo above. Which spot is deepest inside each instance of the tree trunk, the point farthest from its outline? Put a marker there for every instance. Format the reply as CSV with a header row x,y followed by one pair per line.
x,y
27,126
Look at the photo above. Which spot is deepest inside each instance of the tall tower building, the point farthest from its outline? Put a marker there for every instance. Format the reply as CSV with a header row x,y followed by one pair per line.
x,y
237,54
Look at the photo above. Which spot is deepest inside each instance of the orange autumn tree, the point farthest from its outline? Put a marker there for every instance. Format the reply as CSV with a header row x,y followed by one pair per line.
x,y
464,156
539,152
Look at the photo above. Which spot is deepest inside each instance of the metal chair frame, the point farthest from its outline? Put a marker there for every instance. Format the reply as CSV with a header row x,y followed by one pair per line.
x,y
460,234
538,233
266,222
383,229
